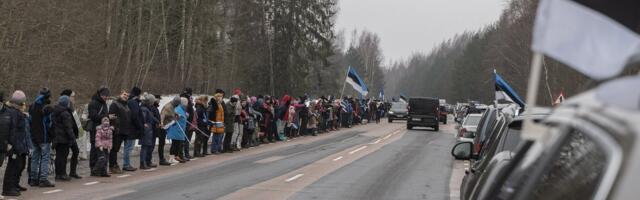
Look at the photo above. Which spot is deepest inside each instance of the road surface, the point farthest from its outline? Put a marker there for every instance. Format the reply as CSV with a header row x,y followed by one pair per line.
x,y
374,161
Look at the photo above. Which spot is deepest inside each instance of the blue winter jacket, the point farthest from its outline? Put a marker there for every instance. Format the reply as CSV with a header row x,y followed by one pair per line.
x,y
176,132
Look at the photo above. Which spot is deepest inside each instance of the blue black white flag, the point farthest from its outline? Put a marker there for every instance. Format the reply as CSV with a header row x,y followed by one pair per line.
x,y
595,37
381,94
505,92
356,82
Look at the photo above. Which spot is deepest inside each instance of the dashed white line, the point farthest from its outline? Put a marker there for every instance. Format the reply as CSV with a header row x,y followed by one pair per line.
x,y
91,183
52,191
194,158
386,137
149,170
124,175
294,178
338,158
358,149
376,142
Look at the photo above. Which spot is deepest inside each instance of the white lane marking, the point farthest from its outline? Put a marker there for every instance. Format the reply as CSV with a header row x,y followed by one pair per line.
x,y
192,159
124,175
466,164
386,137
150,170
294,178
338,158
376,142
52,191
91,183
358,149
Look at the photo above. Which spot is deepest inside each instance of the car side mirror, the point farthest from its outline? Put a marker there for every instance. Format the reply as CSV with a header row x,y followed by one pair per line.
x,y
462,151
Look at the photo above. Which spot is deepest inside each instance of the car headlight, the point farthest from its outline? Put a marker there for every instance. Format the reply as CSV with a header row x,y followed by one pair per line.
x,y
391,112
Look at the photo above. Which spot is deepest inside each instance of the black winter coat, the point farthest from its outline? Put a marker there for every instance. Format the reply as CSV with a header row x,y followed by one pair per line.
x,y
201,111
137,119
39,129
123,124
63,124
97,110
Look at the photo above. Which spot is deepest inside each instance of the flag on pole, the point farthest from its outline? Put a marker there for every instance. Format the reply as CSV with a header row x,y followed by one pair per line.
x,y
560,99
404,98
505,92
381,94
595,37
356,82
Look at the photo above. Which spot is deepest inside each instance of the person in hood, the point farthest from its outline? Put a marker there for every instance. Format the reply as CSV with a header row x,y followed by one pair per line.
x,y
97,110
20,141
229,128
104,136
40,112
147,140
64,136
75,150
176,130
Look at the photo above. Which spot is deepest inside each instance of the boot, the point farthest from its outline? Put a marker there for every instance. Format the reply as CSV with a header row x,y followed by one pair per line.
x,y
75,175
33,183
130,169
21,189
164,162
115,170
46,183
63,178
11,193
143,166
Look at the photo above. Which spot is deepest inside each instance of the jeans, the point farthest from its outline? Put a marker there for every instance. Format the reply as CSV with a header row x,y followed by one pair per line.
x,y
62,153
216,143
40,161
145,155
128,147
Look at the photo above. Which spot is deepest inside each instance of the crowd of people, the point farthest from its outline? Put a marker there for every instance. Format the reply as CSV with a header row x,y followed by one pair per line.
x,y
218,124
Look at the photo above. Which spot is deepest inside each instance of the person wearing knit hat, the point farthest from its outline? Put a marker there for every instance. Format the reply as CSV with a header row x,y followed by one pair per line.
x,y
18,98
75,149
20,144
65,136
96,110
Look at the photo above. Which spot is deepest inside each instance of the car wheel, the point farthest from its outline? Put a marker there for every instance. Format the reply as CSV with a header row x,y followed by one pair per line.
x,y
436,128
390,120
409,127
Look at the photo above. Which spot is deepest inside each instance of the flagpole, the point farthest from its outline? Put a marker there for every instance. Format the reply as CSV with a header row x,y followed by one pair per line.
x,y
532,94
345,82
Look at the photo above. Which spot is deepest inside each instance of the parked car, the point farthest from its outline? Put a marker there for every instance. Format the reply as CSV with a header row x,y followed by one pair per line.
x,y
398,111
588,150
468,128
498,153
423,112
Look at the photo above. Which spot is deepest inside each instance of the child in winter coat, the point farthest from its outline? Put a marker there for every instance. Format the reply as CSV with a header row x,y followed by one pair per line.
x,y
104,136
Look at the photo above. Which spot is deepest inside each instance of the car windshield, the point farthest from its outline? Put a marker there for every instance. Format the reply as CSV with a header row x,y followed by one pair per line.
x,y
472,120
399,106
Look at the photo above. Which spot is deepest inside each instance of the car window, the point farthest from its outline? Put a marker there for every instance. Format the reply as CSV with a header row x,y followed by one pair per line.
x,y
399,106
576,171
487,153
471,120
511,140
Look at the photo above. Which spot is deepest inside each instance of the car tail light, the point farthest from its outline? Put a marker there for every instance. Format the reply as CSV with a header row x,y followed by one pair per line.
x,y
462,132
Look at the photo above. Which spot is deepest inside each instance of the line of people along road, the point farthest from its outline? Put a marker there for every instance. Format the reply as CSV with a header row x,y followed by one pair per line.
x,y
218,124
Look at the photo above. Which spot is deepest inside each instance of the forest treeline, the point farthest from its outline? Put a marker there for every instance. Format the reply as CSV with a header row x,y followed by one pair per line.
x,y
261,46
461,68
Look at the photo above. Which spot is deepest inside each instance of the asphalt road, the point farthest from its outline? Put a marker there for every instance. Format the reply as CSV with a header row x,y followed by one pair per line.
x,y
375,161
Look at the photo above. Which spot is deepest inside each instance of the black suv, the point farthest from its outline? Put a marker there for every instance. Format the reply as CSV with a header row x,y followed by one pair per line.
x,y
423,111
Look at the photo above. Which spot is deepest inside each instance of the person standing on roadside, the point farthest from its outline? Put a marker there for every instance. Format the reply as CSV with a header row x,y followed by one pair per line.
x,y
97,110
217,121
63,136
20,141
103,143
121,121
202,136
168,118
176,131
134,130
75,150
41,137
160,133
147,140
191,116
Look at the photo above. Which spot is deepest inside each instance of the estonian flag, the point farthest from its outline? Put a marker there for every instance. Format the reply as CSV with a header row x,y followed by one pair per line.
x,y
381,94
505,92
596,37
354,80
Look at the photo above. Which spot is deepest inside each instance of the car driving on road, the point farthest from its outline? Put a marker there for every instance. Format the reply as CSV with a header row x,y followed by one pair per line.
x,y
423,112
398,111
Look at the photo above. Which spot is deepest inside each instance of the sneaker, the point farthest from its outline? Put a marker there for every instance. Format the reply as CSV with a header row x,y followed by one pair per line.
x,y
151,165
105,175
46,183
115,170
75,176
33,183
129,168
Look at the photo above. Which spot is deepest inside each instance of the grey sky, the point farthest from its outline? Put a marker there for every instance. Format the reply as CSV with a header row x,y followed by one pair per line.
x,y
408,26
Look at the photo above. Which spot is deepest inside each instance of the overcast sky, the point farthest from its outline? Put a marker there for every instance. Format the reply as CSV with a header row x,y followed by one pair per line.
x,y
407,26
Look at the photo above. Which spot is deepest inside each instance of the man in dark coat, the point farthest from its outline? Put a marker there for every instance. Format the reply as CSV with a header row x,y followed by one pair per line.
x,y
160,133
64,135
18,138
134,131
75,150
40,112
123,129
97,110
